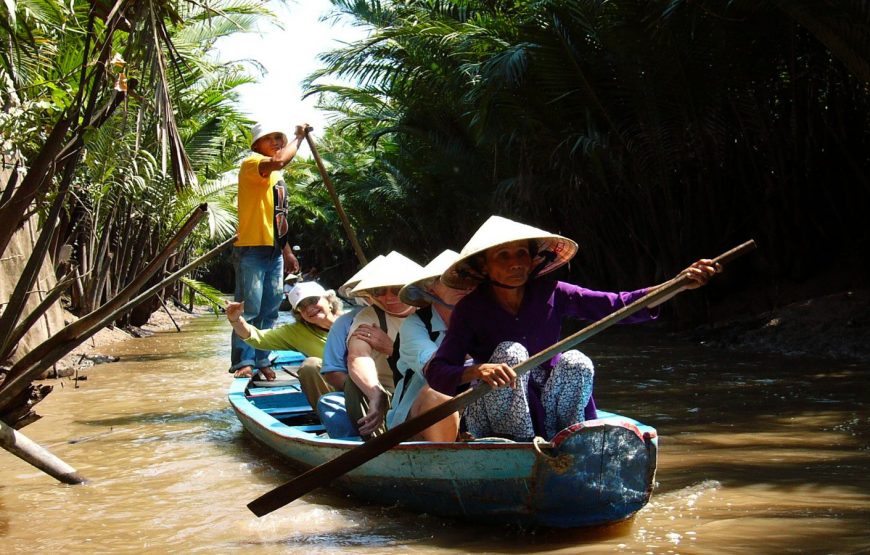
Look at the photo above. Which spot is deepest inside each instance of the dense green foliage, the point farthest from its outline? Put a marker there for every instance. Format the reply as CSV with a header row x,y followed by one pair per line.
x,y
652,132
162,152
116,125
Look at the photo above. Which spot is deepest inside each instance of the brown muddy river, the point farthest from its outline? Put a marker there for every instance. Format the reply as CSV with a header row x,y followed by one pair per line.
x,y
758,454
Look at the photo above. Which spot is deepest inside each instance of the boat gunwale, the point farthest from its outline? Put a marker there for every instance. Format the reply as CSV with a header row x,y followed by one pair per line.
x,y
256,415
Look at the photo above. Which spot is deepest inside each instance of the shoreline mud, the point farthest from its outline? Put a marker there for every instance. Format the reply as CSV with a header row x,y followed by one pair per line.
x,y
835,326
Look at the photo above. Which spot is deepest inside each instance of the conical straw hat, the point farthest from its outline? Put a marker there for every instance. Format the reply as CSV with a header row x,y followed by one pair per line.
x,y
410,293
344,290
393,271
496,231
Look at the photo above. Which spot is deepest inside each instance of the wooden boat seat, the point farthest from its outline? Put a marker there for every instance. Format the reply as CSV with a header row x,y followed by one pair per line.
x,y
287,411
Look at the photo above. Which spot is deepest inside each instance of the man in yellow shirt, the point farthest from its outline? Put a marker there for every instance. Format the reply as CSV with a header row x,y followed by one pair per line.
x,y
262,255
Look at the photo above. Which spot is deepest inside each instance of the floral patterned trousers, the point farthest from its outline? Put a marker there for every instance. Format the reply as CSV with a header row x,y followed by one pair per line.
x,y
504,412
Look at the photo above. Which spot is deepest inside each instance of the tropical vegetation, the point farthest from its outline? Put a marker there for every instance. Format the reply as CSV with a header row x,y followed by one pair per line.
x,y
118,127
653,132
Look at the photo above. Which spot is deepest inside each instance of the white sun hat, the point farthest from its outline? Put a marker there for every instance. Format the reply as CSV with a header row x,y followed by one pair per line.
x,y
345,288
263,128
411,294
395,270
304,290
552,251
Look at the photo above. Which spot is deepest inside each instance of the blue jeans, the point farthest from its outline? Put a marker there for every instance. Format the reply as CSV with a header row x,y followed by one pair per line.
x,y
259,281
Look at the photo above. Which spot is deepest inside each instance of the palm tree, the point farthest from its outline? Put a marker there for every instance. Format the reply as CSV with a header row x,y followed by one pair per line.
x,y
139,66
649,131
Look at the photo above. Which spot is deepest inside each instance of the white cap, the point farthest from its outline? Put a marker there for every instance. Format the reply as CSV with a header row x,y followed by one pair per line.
x,y
304,290
263,128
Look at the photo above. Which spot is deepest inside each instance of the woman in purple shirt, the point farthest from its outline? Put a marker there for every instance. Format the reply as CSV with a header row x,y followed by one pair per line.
x,y
512,312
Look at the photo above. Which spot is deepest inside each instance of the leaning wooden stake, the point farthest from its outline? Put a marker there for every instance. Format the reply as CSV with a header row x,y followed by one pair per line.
x,y
32,453
18,382
68,338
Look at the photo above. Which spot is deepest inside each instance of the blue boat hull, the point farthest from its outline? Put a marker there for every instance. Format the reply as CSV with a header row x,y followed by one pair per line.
x,y
596,472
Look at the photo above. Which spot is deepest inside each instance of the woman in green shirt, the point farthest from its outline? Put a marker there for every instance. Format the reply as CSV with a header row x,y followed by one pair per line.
x,y
315,310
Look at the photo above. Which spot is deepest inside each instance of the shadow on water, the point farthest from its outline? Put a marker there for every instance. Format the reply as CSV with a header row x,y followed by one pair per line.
x,y
395,530
217,416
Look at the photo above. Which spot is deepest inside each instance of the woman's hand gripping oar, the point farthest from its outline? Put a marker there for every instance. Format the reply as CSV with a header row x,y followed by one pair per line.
x,y
328,471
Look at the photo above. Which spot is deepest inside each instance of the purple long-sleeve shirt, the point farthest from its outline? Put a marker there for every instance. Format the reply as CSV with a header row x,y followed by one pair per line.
x,y
478,324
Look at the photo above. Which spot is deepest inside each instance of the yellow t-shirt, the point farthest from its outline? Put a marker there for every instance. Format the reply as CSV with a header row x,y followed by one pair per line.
x,y
256,204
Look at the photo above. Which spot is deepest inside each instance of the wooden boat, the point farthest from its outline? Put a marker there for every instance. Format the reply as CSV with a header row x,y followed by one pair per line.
x,y
596,472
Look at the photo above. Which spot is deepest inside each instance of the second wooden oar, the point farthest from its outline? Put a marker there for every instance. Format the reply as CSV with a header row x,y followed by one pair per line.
x,y
328,471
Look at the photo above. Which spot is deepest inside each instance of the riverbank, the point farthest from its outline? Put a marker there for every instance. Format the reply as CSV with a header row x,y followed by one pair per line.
x,y
835,326
93,351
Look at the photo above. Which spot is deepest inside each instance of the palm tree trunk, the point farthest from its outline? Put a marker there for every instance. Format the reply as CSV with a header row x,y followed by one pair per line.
x,y
53,349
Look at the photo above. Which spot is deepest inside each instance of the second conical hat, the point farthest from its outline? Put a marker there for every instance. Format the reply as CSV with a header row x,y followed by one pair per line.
x,y
393,271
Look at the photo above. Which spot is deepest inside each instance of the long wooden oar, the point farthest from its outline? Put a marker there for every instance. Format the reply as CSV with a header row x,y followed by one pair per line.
x,y
328,471
335,200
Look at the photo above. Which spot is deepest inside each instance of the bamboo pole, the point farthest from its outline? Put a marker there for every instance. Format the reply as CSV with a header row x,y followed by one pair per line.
x,y
166,310
335,200
34,454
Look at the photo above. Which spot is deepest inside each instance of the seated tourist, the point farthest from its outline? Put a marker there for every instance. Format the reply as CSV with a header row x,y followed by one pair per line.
x,y
419,337
371,339
315,311
331,408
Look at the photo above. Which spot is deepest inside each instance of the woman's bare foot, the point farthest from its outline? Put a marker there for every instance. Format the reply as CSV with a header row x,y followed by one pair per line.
x,y
268,373
244,372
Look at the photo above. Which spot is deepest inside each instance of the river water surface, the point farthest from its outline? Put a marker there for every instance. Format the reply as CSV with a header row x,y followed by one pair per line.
x,y
757,454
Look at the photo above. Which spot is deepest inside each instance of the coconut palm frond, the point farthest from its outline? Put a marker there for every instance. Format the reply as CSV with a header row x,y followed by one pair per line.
x,y
200,293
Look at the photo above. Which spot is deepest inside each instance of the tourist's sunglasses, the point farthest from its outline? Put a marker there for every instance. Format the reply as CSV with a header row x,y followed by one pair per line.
x,y
380,291
306,302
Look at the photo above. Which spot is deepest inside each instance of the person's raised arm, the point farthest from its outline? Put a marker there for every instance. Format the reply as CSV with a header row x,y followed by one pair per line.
x,y
284,154
234,315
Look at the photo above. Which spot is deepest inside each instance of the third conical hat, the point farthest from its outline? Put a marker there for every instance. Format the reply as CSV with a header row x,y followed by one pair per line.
x,y
432,270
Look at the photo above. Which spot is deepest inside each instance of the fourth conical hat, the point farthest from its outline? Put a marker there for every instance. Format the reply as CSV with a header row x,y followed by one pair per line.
x,y
496,231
